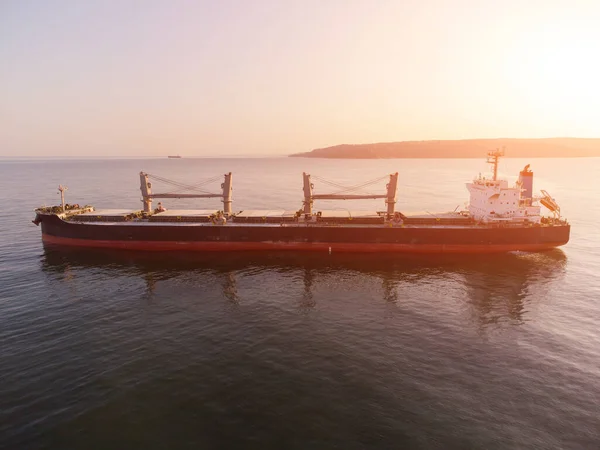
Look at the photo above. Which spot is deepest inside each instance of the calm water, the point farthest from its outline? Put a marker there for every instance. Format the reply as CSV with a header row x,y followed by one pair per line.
x,y
107,351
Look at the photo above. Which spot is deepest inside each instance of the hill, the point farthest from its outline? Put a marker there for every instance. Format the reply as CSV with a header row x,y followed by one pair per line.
x,y
468,148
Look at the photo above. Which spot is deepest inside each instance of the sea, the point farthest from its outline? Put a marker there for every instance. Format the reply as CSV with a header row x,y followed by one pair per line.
x,y
120,350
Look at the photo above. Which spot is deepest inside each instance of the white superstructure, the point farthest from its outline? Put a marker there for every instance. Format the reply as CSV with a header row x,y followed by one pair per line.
x,y
493,200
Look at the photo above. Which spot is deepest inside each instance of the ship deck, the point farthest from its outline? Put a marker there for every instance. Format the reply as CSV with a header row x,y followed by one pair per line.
x,y
284,218
231,224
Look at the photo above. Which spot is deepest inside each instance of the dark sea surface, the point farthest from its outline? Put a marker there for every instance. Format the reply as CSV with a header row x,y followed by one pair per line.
x,y
103,350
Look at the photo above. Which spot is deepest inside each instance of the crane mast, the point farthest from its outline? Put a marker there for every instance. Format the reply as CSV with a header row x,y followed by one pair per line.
x,y
226,194
389,196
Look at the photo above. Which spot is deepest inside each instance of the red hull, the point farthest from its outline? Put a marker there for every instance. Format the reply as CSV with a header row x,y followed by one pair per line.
x,y
296,246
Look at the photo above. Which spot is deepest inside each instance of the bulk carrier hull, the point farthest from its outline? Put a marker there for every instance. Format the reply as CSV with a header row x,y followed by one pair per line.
x,y
499,219
208,237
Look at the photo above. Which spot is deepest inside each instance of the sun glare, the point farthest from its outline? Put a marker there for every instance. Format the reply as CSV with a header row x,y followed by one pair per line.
x,y
557,76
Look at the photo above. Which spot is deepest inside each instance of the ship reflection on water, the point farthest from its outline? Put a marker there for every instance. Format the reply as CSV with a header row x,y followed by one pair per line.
x,y
273,344
493,288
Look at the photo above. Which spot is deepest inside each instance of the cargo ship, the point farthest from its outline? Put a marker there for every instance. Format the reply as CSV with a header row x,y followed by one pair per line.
x,y
499,218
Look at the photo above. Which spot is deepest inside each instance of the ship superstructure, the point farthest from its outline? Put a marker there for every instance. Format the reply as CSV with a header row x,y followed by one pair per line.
x,y
498,218
493,200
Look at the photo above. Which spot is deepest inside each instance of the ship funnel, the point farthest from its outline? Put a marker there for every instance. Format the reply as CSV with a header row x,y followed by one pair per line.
x,y
526,181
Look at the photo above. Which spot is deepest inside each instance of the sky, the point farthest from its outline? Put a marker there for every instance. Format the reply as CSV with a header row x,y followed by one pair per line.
x,y
253,77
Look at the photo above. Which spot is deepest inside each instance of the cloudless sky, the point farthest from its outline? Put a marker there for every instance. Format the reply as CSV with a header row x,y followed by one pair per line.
x,y
232,77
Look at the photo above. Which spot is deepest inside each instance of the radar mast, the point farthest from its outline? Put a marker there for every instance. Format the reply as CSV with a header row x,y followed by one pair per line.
x,y
492,158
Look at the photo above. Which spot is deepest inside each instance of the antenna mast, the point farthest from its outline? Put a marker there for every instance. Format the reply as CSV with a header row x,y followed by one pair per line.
x,y
492,158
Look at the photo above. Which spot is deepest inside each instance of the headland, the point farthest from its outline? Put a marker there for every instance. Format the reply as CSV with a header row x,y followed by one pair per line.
x,y
467,148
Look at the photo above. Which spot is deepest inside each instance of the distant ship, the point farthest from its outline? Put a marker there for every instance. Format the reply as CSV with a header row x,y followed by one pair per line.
x,y
174,156
499,218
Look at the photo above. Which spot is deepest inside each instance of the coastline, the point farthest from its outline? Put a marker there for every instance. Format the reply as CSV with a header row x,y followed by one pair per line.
x,y
467,148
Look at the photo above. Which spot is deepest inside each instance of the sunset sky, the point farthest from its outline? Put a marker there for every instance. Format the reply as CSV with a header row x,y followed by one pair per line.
x,y
225,77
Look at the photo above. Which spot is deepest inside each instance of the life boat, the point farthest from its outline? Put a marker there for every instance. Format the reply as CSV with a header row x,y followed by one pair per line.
x,y
549,202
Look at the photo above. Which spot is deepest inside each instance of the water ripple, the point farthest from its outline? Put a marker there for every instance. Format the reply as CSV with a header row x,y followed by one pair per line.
x,y
295,351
